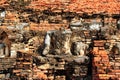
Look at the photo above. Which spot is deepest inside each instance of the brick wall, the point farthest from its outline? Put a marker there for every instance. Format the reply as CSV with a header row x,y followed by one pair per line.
x,y
81,6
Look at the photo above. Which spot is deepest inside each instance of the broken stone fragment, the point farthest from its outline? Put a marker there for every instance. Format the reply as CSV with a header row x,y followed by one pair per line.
x,y
82,59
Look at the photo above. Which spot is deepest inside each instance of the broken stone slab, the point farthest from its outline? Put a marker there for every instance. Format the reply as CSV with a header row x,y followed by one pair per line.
x,y
82,59
2,14
44,66
2,76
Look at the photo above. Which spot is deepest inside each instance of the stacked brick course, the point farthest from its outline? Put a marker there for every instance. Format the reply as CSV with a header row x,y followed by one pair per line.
x,y
103,67
81,6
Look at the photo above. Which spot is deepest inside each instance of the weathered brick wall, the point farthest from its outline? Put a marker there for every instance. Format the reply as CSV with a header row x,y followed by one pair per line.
x,y
81,6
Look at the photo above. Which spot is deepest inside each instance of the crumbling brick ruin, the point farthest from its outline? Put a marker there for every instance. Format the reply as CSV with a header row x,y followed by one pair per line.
x,y
59,39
